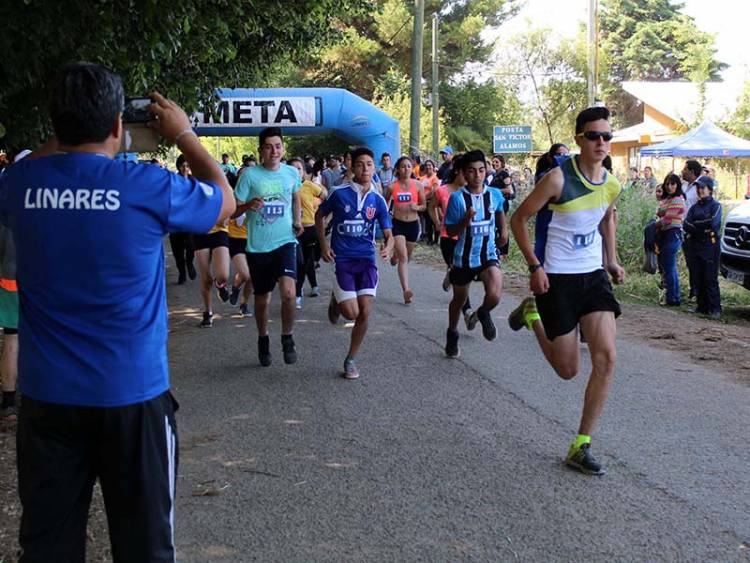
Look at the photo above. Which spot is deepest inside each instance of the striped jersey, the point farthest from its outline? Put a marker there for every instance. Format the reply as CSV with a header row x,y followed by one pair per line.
x,y
476,244
573,244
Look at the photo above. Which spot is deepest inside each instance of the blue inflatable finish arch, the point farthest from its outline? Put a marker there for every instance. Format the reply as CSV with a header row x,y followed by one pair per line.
x,y
302,111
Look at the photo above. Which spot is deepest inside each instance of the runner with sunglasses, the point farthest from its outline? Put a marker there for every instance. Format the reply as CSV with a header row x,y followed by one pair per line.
x,y
573,286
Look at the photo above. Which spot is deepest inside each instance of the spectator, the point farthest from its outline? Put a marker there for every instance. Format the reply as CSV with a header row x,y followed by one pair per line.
x,y
95,385
332,174
703,230
648,178
690,173
385,173
348,172
633,179
183,250
430,183
670,215
447,155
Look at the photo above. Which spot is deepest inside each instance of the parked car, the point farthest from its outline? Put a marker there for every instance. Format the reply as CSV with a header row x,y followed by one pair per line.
x,y
735,246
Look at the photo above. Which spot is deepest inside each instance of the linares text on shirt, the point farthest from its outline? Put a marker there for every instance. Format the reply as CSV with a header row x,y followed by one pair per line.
x,y
79,198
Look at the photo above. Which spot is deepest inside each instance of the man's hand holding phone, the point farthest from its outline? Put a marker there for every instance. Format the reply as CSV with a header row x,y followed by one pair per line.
x,y
170,121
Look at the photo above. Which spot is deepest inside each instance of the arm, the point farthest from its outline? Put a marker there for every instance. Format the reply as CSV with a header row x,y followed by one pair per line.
x,y
547,189
325,250
386,249
297,214
434,209
501,220
421,204
458,228
608,230
173,124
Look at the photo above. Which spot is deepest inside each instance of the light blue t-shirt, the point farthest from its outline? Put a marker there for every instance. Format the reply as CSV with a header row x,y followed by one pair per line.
x,y
476,243
271,227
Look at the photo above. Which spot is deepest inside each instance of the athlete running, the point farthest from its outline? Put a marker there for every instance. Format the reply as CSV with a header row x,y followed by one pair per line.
x,y
310,195
406,196
572,286
241,282
355,208
269,195
472,214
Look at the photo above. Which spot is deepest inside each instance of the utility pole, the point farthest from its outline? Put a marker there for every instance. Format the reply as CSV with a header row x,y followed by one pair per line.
x,y
435,95
416,75
593,59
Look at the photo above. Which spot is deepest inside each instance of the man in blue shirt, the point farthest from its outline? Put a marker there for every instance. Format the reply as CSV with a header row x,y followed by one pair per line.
x,y
355,208
269,193
93,357
472,215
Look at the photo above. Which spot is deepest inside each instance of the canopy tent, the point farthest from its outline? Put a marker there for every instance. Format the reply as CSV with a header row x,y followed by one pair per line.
x,y
706,141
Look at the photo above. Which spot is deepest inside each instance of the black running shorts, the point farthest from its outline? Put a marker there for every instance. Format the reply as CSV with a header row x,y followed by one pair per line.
x,y
267,267
237,246
464,276
211,241
572,296
410,230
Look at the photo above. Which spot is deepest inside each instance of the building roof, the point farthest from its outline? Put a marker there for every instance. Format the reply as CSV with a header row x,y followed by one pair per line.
x,y
680,100
635,133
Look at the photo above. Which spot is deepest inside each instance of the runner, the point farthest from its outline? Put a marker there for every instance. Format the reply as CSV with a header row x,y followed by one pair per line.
x,y
431,182
212,253
438,206
572,287
355,210
237,231
310,195
181,244
270,192
472,214
406,197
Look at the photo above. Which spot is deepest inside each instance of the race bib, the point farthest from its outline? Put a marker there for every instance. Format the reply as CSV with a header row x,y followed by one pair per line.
x,y
583,241
481,228
272,211
352,228
404,198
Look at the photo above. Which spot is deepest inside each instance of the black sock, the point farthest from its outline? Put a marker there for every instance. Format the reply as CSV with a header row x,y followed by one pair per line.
x,y
9,399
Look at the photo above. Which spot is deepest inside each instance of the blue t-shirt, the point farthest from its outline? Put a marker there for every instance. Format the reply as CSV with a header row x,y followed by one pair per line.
x,y
271,227
476,244
353,221
93,311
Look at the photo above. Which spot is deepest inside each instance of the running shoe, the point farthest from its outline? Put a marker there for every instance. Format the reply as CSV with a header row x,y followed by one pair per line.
x,y
584,461
662,297
208,320
9,414
488,327
290,352
333,310
517,317
223,292
264,350
471,319
234,297
245,310
451,344
298,302
447,281
191,271
315,291
350,369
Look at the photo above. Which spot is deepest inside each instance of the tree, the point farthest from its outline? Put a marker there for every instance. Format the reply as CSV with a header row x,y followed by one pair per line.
x,y
651,40
184,49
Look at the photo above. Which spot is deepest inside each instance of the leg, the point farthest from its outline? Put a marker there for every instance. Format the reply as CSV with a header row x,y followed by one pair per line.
x,y
600,332
712,283
138,456
669,261
460,296
9,363
286,292
562,353
262,302
242,274
492,278
177,244
403,270
203,258
55,480
220,260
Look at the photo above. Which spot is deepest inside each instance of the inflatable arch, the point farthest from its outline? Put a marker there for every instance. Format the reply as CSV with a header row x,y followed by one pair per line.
x,y
302,111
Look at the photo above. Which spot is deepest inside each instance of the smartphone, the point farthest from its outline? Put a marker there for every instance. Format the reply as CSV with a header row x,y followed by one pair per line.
x,y
136,110
138,137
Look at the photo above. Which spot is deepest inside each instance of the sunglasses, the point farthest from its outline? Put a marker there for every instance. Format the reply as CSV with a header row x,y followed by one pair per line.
x,y
606,136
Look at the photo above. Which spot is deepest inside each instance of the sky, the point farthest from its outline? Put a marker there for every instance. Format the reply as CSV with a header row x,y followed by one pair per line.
x,y
727,19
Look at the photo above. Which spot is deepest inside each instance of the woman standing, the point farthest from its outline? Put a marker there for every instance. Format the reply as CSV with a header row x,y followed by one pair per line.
x,y
670,215
430,182
406,195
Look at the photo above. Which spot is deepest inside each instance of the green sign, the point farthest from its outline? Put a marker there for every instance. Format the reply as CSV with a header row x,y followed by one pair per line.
x,y
511,138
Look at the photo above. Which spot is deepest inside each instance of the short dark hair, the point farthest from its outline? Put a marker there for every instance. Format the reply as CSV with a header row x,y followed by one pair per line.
x,y
556,147
362,151
225,155
269,132
694,166
472,156
672,179
296,159
457,166
382,156
180,161
84,103
591,114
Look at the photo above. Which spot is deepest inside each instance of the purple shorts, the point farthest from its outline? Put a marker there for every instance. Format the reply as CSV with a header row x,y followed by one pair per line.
x,y
355,278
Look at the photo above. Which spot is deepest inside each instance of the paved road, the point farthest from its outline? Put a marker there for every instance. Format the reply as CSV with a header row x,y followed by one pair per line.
x,y
430,459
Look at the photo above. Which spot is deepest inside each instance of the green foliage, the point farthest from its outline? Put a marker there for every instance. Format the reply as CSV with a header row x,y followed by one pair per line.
x,y
184,49
652,40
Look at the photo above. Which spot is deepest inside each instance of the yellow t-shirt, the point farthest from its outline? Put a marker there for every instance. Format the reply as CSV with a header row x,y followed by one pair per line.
x,y
236,231
309,195
219,227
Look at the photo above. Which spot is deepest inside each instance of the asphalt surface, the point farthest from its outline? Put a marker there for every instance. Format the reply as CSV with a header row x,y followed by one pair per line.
x,y
430,459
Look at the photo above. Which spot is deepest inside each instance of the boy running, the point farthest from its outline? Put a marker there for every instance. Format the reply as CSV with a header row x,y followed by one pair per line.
x,y
572,286
355,208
